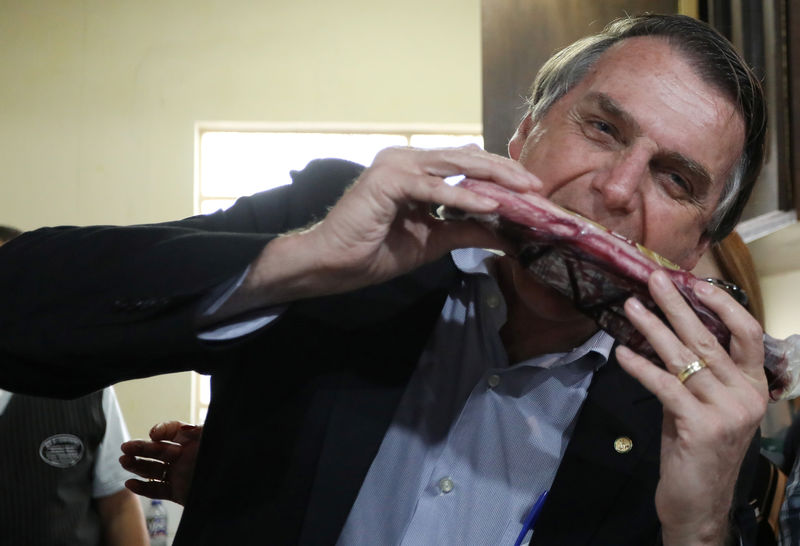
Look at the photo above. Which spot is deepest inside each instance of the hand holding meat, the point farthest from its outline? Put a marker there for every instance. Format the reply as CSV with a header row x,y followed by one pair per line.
x,y
382,227
711,416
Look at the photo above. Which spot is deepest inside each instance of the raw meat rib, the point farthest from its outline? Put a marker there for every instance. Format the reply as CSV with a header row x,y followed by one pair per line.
x,y
599,269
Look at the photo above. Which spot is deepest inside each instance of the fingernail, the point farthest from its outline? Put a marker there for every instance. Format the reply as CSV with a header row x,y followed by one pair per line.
x,y
188,427
623,351
635,305
661,279
703,288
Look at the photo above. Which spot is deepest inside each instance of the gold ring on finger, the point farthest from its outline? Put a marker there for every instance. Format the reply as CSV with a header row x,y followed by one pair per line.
x,y
691,369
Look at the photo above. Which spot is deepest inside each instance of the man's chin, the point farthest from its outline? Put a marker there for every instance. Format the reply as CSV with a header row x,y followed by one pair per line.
x,y
542,300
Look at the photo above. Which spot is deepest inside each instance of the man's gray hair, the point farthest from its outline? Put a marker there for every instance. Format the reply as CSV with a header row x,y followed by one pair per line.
x,y
714,59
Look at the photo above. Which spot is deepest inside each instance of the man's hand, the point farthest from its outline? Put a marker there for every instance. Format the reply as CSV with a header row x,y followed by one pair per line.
x,y
381,227
710,419
166,461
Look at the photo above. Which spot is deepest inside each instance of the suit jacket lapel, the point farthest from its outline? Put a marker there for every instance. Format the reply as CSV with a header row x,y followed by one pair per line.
x,y
612,460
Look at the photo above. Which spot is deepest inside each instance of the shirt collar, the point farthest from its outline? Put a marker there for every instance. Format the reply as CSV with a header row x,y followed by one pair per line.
x,y
5,397
474,261
600,344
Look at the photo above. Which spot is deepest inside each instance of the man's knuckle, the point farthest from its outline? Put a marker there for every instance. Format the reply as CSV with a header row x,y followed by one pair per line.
x,y
706,342
752,330
388,154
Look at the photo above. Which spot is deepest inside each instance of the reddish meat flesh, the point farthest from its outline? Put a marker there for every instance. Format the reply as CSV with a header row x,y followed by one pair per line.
x,y
598,270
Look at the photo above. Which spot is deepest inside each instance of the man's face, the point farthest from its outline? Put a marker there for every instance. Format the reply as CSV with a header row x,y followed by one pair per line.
x,y
642,146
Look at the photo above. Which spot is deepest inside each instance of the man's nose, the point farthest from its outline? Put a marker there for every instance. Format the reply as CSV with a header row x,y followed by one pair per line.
x,y
622,182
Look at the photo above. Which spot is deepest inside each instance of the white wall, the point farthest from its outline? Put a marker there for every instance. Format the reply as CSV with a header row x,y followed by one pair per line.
x,y
100,97
781,303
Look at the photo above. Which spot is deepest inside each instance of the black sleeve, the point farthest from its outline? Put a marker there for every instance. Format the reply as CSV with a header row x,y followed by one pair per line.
x,y
752,499
791,444
84,307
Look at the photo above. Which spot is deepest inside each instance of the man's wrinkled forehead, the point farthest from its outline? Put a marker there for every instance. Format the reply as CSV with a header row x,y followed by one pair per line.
x,y
652,69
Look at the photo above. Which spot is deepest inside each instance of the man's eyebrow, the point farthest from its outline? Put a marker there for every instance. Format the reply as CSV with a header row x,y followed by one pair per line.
x,y
698,172
611,108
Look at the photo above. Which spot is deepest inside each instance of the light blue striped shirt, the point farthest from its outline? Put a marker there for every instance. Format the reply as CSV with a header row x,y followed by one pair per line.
x,y
474,440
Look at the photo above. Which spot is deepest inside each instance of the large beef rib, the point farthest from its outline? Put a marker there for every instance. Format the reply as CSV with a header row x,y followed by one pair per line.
x,y
598,270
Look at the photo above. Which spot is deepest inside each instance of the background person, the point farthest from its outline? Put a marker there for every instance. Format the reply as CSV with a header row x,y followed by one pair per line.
x,y
166,461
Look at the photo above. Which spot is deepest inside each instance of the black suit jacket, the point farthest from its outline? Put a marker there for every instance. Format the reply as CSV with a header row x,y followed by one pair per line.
x,y
299,409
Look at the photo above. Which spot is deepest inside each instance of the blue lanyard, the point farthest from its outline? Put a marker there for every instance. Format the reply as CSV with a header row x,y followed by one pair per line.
x,y
530,519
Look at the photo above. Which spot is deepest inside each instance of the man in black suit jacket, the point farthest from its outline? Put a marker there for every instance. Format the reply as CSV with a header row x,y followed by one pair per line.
x,y
642,129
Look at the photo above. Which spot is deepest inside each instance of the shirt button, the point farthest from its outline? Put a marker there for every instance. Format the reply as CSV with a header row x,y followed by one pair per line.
x,y
623,444
493,380
493,301
446,485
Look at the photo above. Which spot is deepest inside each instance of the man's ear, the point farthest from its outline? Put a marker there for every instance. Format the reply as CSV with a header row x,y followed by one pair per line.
x,y
517,142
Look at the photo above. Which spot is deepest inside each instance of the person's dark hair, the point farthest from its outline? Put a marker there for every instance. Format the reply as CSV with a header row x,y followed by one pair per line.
x,y
714,59
7,233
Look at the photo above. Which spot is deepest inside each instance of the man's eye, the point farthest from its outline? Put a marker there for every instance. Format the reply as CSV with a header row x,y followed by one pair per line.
x,y
600,131
678,186
602,126
680,181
